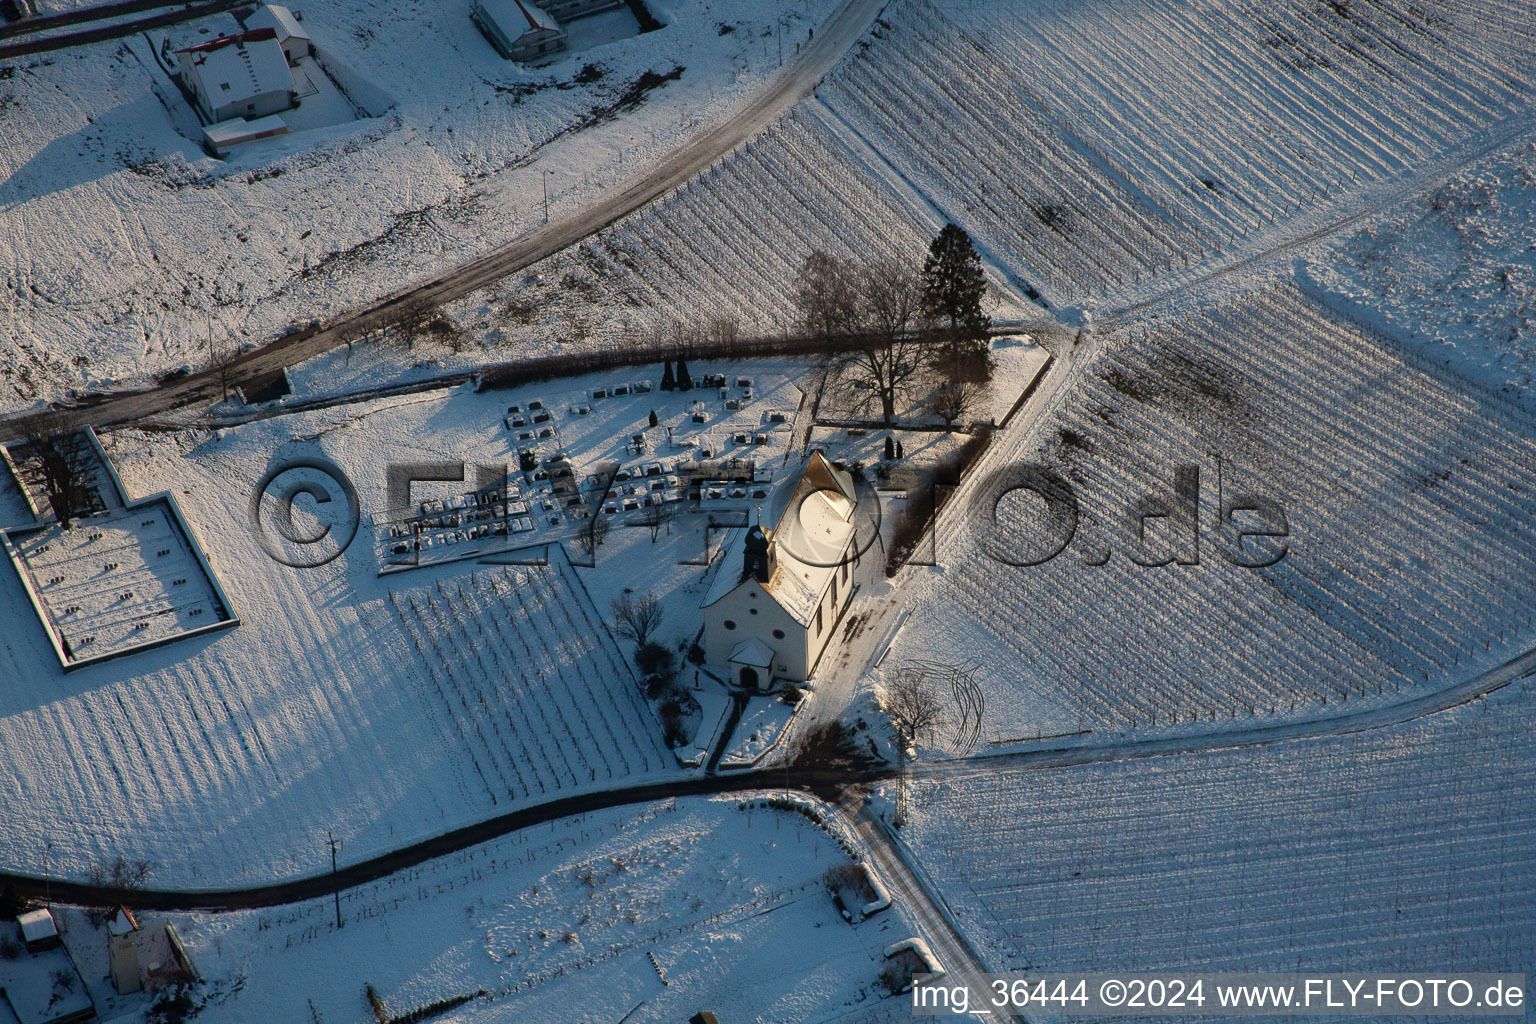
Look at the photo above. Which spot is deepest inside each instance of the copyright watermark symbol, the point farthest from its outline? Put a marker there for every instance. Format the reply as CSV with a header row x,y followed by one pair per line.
x,y
304,512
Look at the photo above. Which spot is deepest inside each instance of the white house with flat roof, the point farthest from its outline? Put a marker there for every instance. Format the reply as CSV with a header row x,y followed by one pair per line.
x,y
238,76
779,590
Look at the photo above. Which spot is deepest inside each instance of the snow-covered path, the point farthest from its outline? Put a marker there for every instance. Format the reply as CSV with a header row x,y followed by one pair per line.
x,y
796,81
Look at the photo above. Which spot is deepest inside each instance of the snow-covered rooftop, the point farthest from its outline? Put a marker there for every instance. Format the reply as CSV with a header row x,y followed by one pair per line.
x,y
812,517
225,134
752,651
280,19
234,68
517,17
122,923
37,926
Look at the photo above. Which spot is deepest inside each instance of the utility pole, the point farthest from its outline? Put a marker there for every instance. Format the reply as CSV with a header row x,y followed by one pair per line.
x,y
779,35
335,844
544,177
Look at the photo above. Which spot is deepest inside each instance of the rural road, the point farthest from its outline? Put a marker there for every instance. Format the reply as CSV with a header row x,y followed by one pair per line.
x,y
312,886
117,30
814,780
912,890
792,83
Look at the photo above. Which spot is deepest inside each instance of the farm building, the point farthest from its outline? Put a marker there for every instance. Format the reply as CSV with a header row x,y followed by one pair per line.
x,y
519,29
224,136
778,592
238,76
564,10
291,36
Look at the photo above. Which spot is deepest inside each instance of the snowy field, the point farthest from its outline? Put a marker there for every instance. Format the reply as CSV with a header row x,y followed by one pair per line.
x,y
1400,849
1453,272
1099,146
1407,495
387,709
656,911
123,246
721,254
1087,146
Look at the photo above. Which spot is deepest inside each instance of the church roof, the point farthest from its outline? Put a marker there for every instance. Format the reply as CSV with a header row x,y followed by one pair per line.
x,y
812,517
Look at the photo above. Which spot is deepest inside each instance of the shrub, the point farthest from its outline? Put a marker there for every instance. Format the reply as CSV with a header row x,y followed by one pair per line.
x,y
175,1006
792,694
653,659
441,1006
376,1003
849,876
896,977
674,728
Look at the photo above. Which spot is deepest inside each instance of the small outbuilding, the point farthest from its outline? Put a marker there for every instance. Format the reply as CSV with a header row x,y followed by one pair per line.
x,y
220,138
519,29
291,35
38,931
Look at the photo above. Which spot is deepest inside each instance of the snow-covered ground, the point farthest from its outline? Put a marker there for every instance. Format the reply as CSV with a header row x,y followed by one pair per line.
x,y
1453,273
1406,492
655,912
388,708
758,731
1089,146
1399,849
1083,169
124,246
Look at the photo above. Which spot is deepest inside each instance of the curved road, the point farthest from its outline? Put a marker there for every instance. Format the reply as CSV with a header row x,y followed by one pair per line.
x,y
821,782
794,82
312,886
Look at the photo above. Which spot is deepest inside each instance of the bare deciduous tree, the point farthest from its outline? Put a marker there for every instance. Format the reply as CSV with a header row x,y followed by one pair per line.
x,y
221,362
954,399
118,878
49,439
876,312
912,701
828,296
636,616
412,317
591,537
350,333
657,517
